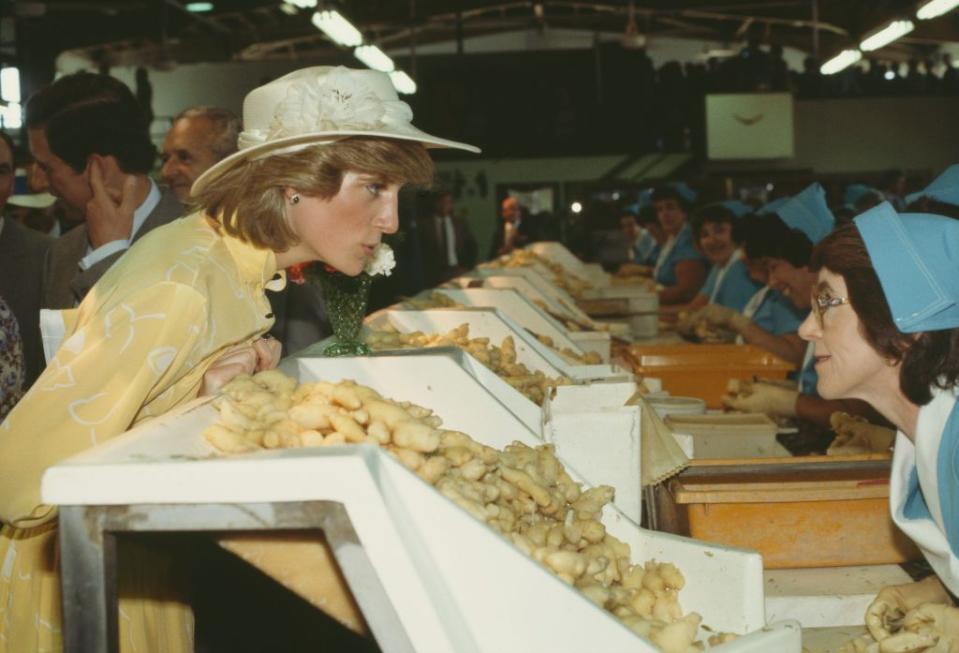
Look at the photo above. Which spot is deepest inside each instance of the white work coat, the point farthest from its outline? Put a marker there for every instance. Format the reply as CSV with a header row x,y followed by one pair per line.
x,y
924,485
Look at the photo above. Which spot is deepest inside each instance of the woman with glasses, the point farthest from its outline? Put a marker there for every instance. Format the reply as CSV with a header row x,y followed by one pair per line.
x,y
885,329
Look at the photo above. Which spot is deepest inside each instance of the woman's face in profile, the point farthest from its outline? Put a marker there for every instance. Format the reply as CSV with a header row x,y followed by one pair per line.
x,y
343,230
847,365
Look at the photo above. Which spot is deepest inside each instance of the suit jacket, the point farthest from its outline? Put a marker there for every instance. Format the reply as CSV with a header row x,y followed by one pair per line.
x,y
22,252
432,234
65,284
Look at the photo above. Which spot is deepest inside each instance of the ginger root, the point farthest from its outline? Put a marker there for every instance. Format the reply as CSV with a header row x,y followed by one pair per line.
x,y
524,493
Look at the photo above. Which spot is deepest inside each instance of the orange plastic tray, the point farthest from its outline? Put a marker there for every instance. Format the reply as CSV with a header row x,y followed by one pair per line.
x,y
812,520
704,370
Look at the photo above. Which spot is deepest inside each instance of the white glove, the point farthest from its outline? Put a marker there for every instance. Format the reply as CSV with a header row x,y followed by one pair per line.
x,y
931,627
892,603
723,316
765,398
856,435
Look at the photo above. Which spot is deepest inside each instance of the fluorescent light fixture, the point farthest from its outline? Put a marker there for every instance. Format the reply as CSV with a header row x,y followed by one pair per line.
x,y
887,35
10,85
304,4
198,7
340,30
402,82
841,61
373,57
289,9
12,116
936,8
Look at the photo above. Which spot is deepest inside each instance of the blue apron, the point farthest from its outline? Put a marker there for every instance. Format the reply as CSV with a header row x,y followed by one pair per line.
x,y
676,249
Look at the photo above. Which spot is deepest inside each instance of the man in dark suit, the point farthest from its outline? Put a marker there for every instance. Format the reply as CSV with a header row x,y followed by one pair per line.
x,y
22,251
448,246
515,229
92,148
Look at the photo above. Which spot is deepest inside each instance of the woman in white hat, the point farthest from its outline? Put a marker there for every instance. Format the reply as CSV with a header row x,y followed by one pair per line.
x,y
885,329
324,155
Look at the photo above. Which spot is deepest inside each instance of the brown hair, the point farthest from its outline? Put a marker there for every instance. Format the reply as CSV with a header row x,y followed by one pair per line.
x,y
248,201
927,359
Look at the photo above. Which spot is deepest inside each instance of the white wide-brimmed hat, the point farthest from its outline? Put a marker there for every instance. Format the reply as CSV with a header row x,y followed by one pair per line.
x,y
32,200
321,104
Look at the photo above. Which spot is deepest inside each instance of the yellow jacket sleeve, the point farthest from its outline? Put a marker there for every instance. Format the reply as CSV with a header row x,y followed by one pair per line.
x,y
121,357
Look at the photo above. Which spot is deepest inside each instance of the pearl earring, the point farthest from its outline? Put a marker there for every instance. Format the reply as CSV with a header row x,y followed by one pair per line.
x,y
295,199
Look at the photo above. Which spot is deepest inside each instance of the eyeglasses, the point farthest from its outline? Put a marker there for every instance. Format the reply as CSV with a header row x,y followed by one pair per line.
x,y
822,303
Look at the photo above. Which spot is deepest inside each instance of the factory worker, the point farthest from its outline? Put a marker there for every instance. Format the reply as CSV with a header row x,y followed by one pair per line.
x,y
323,155
680,269
805,220
885,327
808,214
768,320
643,236
715,229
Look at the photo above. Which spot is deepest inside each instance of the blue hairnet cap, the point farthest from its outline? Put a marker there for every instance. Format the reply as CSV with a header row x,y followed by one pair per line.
x,y
738,208
687,193
944,188
856,192
808,213
916,256
645,198
773,206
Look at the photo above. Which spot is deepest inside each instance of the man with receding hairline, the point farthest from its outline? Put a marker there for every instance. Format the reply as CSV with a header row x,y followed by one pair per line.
x,y
198,138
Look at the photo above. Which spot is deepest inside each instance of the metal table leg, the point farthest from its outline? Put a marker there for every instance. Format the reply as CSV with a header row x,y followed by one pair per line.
x,y
88,560
88,580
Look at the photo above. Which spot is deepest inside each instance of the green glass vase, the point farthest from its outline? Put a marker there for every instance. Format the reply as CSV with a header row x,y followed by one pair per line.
x,y
346,299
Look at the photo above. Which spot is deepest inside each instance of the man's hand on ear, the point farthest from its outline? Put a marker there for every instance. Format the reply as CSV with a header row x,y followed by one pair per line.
x,y
109,213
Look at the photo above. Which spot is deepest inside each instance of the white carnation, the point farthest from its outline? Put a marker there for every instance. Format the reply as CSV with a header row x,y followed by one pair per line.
x,y
382,261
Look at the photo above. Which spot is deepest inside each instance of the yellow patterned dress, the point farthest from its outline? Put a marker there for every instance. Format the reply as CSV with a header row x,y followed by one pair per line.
x,y
140,344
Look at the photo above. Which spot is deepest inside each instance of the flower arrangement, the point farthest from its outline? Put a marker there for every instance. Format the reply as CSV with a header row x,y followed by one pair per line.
x,y
346,297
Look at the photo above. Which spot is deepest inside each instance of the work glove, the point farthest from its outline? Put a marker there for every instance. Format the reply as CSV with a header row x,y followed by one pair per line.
x,y
855,435
722,316
634,270
686,322
764,398
888,610
930,627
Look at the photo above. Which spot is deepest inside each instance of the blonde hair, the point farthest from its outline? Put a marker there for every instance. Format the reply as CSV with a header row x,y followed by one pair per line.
x,y
248,200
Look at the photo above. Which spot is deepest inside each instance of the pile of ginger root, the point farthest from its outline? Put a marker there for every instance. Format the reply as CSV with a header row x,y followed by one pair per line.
x,y
522,492
563,278
500,359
